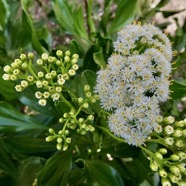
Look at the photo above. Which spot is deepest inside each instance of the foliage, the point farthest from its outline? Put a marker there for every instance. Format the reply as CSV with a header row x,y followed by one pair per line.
x,y
87,152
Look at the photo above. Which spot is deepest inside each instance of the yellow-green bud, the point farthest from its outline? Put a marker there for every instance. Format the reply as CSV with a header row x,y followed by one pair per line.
x,y
40,62
175,170
8,69
85,105
19,88
6,77
42,102
51,131
24,66
23,57
173,178
44,57
16,72
67,53
68,140
86,88
13,77
165,182
179,124
65,115
66,132
162,173
154,166
72,72
168,120
162,151
177,133
49,138
81,120
91,117
182,155
174,157
59,146
59,53
66,59
168,129
88,94
158,129
168,141
179,143
59,140
80,100
158,155
30,78
75,67
24,83
30,55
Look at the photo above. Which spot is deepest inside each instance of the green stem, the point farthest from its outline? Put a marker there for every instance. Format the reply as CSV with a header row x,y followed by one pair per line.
x,y
110,134
63,99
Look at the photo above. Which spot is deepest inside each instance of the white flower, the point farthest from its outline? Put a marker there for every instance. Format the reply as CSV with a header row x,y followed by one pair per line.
x,y
42,102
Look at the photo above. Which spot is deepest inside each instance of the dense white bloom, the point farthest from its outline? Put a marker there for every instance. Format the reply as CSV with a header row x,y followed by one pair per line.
x,y
135,80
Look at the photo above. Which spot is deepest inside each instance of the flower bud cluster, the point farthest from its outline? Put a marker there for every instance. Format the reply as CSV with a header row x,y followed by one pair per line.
x,y
170,160
135,80
48,76
72,120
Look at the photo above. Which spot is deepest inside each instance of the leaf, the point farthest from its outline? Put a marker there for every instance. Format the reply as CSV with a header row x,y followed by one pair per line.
x,y
28,25
99,173
178,90
7,164
7,90
124,14
71,20
4,14
56,170
12,120
20,144
99,59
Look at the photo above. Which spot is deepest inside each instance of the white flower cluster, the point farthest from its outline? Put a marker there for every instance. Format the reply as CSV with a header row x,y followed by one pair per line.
x,y
135,80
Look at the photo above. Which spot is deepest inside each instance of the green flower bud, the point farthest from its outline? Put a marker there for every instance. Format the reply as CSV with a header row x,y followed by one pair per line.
x,y
168,129
30,78
65,146
51,59
59,140
6,77
8,69
19,88
81,120
86,88
46,95
174,157
158,129
42,102
58,63
61,120
88,94
159,119
40,74
61,81
177,133
68,140
66,132
65,115
158,155
75,67
162,173
40,62
80,100
75,56
67,53
74,61
44,57
49,138
184,133
181,167
182,155
162,151
23,57
168,141
154,166
30,56
72,72
59,53
66,59
39,84
16,72
91,117
72,112
13,77
179,143
173,178
59,146
179,124
24,83
91,128
66,76
175,170
60,132
58,89
53,73
165,182
168,120
83,126
85,105
45,83
51,131
48,76
92,100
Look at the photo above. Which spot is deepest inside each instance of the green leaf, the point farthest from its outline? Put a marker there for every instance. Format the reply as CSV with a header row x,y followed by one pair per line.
x,y
99,173
99,59
124,14
20,144
7,88
29,27
178,90
4,14
12,120
7,164
170,12
56,170
71,20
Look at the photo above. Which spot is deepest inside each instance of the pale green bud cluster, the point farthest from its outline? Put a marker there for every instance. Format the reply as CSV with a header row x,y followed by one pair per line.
x,y
170,160
73,120
49,75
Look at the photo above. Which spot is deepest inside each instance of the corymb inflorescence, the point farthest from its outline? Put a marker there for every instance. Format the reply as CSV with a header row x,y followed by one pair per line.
x,y
135,80
48,74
